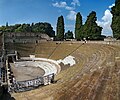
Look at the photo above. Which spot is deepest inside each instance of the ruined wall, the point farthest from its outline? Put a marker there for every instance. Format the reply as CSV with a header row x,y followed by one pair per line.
x,y
25,37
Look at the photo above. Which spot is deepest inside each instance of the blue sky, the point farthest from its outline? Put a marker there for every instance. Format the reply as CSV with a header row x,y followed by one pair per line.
x,y
28,11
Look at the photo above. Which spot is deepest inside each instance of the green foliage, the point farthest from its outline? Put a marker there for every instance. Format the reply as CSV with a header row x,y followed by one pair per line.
x,y
45,28
60,28
69,35
78,25
116,19
23,28
90,29
3,28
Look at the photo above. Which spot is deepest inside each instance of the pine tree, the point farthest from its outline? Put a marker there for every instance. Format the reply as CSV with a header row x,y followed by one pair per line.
x,y
78,26
60,28
116,19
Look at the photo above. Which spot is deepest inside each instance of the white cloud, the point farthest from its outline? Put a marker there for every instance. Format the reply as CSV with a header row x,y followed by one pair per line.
x,y
111,5
107,16
69,26
69,8
71,15
106,23
60,5
106,28
75,2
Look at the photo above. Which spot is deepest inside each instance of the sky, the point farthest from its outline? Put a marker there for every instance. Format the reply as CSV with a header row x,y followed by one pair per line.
x,y
28,11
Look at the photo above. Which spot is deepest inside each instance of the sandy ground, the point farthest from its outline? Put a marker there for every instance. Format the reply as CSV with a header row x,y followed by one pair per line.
x,y
27,72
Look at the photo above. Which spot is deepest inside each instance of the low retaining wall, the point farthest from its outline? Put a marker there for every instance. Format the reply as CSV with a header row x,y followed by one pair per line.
x,y
20,86
26,85
117,42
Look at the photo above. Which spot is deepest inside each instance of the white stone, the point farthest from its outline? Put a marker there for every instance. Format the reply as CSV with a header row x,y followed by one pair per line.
x,y
67,60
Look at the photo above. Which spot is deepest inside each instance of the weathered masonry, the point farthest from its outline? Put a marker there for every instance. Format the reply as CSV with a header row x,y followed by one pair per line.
x,y
25,37
7,78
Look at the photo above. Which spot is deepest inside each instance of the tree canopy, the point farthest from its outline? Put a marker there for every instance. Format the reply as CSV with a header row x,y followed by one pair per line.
x,y
78,25
116,19
90,29
69,35
40,27
60,28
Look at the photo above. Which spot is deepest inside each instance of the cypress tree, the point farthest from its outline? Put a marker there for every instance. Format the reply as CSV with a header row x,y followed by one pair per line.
x,y
91,30
6,24
78,25
60,28
116,19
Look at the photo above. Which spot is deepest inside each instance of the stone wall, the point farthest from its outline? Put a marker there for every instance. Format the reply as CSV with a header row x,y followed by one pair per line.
x,y
25,37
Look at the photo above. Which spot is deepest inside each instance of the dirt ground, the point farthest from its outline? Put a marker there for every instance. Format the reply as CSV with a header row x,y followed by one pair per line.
x,y
22,73
96,75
